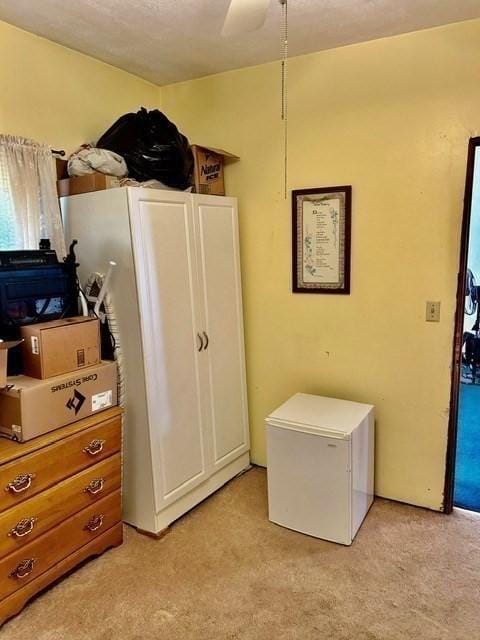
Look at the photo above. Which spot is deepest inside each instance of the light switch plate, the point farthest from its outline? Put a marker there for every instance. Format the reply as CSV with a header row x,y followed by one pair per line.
x,y
432,312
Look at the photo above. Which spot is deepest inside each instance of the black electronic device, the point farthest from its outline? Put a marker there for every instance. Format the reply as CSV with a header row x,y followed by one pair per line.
x,y
25,258
35,287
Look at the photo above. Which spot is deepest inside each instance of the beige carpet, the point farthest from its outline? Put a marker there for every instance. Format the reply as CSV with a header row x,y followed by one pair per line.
x,y
223,571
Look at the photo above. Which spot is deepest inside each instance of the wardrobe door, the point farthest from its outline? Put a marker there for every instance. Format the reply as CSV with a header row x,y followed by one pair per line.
x,y
165,265
219,273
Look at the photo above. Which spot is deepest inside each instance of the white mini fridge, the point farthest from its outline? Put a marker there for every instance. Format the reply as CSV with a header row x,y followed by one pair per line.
x,y
320,466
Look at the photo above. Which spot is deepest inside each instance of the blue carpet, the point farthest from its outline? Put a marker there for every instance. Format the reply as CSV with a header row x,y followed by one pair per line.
x,y
467,466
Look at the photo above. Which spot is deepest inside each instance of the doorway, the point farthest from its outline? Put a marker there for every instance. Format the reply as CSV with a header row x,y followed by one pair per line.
x,y
462,482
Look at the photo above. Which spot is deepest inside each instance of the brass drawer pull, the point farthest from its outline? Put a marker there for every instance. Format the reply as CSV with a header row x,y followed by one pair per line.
x,y
23,569
95,447
95,522
95,486
21,483
23,527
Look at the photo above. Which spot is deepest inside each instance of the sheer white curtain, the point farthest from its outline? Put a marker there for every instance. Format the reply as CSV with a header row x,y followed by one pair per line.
x,y
29,208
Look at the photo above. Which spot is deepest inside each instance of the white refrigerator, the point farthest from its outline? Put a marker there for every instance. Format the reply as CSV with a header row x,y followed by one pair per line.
x,y
320,466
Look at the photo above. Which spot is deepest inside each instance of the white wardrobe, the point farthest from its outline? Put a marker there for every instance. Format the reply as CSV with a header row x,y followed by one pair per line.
x,y
177,296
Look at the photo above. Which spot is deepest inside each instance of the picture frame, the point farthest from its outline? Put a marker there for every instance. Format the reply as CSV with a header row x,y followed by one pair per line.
x,y
321,240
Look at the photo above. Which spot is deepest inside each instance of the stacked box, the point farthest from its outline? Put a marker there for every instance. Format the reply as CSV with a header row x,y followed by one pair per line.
x,y
65,379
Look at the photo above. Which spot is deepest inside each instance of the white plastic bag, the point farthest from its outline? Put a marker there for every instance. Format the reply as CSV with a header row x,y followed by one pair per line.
x,y
89,159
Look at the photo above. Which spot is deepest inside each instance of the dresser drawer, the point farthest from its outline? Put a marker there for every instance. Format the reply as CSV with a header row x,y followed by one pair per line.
x,y
26,521
36,557
37,471
14,602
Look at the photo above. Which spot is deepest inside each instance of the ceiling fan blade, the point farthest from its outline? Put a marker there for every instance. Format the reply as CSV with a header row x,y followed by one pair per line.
x,y
244,16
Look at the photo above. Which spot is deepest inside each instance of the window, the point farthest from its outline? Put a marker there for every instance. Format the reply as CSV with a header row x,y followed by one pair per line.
x,y
29,208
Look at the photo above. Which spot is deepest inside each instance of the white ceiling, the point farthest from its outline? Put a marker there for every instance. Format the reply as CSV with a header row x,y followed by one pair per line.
x,y
168,41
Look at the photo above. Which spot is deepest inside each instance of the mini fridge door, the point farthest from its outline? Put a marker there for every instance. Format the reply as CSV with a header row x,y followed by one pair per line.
x,y
309,483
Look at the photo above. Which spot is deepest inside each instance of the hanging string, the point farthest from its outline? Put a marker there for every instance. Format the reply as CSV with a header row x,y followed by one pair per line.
x,y
284,90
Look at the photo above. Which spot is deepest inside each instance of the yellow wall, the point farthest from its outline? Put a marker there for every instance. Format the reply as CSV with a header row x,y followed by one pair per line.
x,y
58,96
391,117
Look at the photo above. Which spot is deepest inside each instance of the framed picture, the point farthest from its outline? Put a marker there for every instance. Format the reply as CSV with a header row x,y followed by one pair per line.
x,y
321,227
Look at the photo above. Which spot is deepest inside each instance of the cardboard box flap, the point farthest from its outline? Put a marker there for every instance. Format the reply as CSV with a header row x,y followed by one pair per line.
x,y
5,345
9,344
17,384
62,322
229,157
24,382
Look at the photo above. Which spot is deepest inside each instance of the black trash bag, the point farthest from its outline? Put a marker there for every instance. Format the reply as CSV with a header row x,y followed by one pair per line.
x,y
152,147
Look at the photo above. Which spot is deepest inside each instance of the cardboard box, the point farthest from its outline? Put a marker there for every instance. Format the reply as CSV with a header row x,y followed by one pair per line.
x,y
60,346
61,167
4,347
31,407
85,184
208,169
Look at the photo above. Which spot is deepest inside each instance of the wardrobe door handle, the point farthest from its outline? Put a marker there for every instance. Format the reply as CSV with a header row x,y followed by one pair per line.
x,y
207,341
201,342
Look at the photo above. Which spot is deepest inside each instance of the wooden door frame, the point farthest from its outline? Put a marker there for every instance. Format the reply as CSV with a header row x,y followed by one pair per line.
x,y
458,332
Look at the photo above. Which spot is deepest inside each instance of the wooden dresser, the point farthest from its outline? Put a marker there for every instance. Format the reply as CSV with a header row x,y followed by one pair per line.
x,y
60,502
